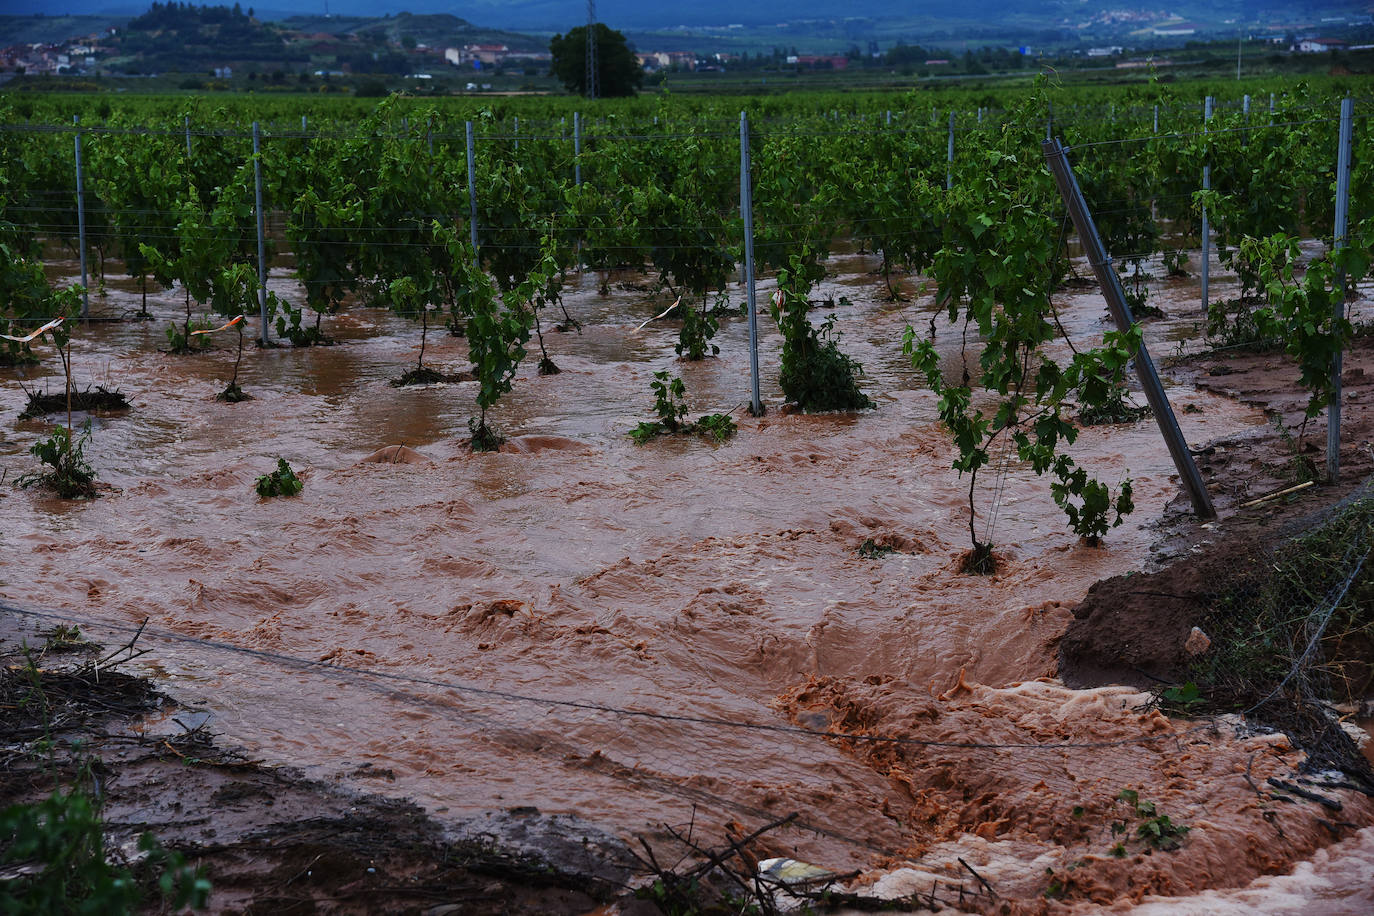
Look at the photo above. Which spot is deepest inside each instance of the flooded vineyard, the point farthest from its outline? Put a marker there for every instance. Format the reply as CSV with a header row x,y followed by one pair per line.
x,y
609,638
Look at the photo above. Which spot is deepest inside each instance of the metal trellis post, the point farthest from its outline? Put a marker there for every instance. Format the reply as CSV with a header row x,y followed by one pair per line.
x,y
262,248
81,222
577,147
949,156
746,208
472,191
1333,410
1121,313
1206,226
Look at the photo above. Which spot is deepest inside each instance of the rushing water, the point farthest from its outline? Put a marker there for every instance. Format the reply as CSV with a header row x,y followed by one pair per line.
x,y
570,623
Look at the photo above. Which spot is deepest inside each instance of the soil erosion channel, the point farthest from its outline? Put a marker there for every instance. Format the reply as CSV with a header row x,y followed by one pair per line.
x,y
579,624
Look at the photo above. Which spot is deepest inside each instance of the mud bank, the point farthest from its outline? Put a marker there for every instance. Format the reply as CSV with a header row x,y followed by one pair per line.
x,y
677,633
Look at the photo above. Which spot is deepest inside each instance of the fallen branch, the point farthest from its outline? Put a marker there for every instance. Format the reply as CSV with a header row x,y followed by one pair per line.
x,y
992,893
1283,492
1332,803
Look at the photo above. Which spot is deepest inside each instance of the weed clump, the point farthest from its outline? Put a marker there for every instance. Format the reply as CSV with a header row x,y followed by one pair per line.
x,y
281,482
671,407
1114,408
872,550
422,375
233,394
815,375
42,403
484,437
69,476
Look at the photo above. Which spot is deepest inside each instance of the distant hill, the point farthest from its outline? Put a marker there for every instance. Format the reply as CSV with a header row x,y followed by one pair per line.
x,y
437,30
547,16
526,24
16,30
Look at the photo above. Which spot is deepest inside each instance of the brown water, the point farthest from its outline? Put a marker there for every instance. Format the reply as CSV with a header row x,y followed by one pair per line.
x,y
515,598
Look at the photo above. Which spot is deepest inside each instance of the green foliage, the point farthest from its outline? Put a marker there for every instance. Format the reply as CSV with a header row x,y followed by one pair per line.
x,y
1155,830
646,431
281,482
669,400
871,550
181,340
288,321
1302,312
497,329
997,268
1175,261
1112,407
59,846
698,328
1181,700
815,375
27,300
896,207
718,426
671,407
63,834
618,72
1088,503
70,477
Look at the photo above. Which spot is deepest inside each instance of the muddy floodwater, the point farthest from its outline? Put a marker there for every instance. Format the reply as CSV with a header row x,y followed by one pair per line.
x,y
630,636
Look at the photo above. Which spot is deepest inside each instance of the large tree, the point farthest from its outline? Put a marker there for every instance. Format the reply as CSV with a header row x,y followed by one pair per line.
x,y
618,72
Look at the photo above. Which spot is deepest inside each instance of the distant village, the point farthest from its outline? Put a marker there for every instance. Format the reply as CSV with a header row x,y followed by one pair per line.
x,y
83,56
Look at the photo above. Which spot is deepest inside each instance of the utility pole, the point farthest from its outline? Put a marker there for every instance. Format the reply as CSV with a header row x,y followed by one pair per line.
x,y
592,87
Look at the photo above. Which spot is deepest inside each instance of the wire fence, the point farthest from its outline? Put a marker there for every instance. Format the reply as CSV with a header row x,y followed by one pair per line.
x,y
1291,632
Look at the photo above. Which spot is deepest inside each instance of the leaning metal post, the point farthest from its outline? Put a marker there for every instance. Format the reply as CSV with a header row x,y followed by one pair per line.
x,y
1121,314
